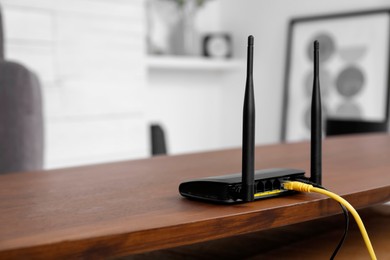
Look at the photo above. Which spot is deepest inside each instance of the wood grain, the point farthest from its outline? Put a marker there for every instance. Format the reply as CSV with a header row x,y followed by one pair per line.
x,y
315,239
134,206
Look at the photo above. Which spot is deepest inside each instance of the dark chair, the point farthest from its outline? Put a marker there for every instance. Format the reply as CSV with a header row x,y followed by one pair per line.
x,y
21,120
343,127
157,136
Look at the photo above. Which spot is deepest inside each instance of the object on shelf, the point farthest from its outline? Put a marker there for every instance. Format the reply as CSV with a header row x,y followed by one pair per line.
x,y
161,16
185,38
171,27
217,45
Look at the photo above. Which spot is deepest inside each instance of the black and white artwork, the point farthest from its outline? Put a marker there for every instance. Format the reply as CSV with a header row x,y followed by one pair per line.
x,y
354,58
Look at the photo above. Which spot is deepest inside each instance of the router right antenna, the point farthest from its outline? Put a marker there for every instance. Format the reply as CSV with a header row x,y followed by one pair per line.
x,y
316,123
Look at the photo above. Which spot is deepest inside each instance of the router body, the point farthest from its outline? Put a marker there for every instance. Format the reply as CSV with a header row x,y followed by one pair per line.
x,y
227,189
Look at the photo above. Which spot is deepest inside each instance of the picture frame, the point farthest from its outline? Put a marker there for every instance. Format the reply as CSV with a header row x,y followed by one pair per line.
x,y
354,70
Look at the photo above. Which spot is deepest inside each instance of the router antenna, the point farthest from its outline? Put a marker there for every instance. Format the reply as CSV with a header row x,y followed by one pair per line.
x,y
316,123
248,130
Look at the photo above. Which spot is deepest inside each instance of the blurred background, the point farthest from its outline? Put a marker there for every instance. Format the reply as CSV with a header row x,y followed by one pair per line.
x,y
119,77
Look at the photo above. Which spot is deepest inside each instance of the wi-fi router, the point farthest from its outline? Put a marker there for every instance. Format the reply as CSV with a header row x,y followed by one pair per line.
x,y
250,185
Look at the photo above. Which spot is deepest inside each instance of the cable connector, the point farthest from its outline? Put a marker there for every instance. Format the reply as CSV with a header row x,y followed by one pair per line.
x,y
297,186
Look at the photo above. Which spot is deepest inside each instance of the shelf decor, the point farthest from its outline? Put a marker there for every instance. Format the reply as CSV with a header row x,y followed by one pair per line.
x,y
171,27
217,45
184,37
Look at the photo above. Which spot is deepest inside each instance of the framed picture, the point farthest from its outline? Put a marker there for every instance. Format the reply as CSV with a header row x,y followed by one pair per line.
x,y
354,69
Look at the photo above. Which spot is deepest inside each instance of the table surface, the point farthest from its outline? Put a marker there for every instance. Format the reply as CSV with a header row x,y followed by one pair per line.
x,y
134,206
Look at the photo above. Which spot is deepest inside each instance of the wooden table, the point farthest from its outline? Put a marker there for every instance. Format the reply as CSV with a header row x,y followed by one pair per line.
x,y
315,239
132,207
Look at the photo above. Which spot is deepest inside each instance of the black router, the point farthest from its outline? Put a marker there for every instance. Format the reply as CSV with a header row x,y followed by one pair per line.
x,y
252,185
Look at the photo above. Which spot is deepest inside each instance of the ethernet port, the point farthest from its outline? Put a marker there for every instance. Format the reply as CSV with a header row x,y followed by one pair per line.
x,y
276,184
268,185
260,186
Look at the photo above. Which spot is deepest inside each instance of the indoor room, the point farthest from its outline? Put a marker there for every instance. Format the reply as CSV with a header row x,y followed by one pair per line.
x,y
194,129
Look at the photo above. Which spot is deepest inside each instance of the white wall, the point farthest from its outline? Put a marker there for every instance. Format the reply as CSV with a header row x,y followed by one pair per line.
x,y
99,111
192,106
199,109
90,57
268,20
204,110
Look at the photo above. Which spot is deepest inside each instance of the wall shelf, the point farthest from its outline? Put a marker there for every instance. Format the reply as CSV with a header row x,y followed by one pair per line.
x,y
193,63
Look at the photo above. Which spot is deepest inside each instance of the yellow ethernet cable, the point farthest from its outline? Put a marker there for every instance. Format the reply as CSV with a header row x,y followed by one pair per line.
x,y
300,186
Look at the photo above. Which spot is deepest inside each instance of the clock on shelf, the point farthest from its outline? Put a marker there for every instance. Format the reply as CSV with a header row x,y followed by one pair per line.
x,y
217,45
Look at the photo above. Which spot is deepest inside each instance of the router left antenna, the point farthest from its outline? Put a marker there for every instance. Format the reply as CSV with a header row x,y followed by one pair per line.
x,y
248,130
